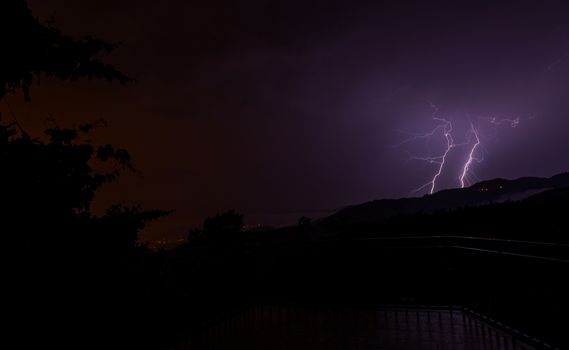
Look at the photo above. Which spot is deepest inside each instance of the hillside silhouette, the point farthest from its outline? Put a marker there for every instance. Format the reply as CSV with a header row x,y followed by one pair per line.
x,y
485,192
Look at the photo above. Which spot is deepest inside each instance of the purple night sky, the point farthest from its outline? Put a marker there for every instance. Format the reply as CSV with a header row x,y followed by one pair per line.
x,y
291,108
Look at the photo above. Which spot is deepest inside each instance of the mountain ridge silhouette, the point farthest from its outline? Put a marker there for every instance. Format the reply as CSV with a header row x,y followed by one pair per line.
x,y
485,192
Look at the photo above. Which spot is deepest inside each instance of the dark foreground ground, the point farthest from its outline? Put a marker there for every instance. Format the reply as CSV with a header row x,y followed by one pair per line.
x,y
379,327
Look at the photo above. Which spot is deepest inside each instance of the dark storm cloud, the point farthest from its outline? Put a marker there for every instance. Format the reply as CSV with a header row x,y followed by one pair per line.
x,y
272,106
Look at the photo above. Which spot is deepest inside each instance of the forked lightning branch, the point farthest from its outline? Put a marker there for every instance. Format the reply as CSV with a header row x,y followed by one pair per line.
x,y
445,131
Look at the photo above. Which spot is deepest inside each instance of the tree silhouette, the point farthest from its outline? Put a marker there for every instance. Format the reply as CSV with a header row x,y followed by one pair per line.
x,y
221,228
48,186
49,183
224,225
63,259
31,49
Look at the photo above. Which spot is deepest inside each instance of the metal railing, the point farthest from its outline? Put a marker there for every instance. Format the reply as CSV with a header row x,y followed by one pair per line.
x,y
361,327
473,325
552,251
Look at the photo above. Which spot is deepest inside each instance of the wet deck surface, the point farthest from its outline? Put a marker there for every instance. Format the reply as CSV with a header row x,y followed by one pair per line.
x,y
349,328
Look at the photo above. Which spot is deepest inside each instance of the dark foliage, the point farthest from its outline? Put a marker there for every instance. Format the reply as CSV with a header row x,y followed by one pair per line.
x,y
224,225
64,256
75,279
48,188
31,49
219,229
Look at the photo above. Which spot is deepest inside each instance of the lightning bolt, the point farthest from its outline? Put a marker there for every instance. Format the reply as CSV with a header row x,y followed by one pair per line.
x,y
473,141
471,158
513,122
446,126
553,65
426,135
